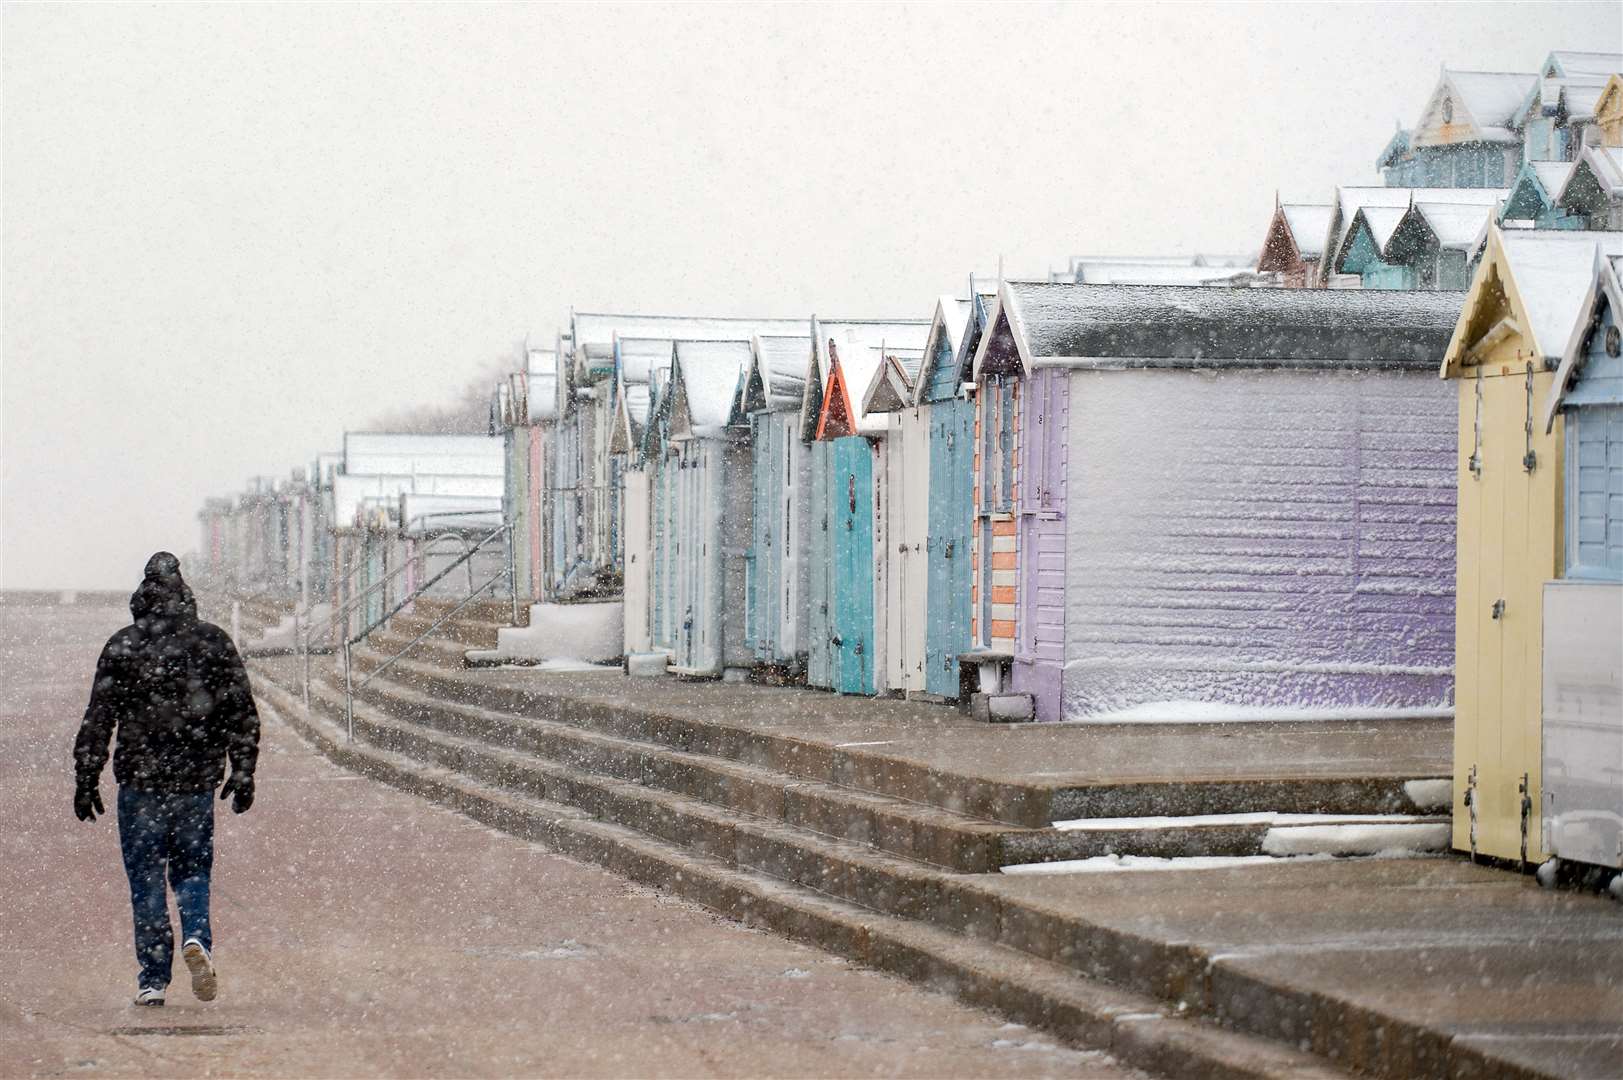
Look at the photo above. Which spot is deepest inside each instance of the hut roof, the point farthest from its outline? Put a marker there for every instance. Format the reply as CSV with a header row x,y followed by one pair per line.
x,y
704,380
1151,326
1544,274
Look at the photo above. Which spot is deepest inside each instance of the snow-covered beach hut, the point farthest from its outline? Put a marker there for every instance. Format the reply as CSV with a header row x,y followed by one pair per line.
x,y
844,647
1294,243
1519,316
710,518
638,362
774,386
1208,501
1425,245
1582,803
378,531
1594,189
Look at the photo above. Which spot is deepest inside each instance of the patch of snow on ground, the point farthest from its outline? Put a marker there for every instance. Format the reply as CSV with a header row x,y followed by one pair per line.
x,y
1261,818
1212,712
1112,863
591,631
1364,839
1430,794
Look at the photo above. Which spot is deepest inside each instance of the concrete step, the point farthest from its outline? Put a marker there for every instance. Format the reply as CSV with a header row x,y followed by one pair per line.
x,y
470,633
1133,1026
482,610
856,873
434,649
910,830
698,728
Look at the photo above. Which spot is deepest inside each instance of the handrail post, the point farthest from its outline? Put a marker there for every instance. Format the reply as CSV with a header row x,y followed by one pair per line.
x,y
349,694
306,669
512,571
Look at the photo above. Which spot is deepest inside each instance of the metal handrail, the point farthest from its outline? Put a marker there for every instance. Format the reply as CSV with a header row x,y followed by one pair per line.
x,y
351,690
344,609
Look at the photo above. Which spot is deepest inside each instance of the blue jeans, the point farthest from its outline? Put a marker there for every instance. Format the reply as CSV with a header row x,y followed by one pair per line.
x,y
171,833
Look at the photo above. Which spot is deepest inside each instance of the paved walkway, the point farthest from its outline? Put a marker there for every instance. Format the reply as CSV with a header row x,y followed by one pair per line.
x,y
361,932
1056,755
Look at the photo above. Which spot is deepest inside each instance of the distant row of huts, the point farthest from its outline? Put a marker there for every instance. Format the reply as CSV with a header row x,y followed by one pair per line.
x,y
1143,489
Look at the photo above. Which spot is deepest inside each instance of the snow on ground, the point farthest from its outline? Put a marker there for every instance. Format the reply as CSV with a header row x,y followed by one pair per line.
x,y
1435,794
1369,839
1103,864
284,635
588,631
1266,817
1112,863
1213,712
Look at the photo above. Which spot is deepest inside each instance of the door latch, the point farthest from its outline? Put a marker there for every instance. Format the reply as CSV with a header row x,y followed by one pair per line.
x,y
837,641
1498,609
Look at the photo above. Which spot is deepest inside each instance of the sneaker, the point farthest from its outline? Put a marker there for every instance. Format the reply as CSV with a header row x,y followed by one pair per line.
x,y
201,965
149,995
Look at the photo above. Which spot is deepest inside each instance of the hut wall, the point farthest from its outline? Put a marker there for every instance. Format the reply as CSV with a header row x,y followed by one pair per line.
x,y
1259,539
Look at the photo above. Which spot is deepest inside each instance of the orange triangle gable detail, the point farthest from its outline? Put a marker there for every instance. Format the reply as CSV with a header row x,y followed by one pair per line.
x,y
835,420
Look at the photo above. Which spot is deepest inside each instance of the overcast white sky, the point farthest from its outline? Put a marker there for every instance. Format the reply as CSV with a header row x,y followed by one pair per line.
x,y
232,232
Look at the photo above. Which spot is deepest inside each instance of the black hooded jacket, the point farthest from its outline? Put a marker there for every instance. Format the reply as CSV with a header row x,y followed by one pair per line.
x,y
175,689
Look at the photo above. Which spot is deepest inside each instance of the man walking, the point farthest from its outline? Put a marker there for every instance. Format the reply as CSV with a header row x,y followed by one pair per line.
x,y
178,694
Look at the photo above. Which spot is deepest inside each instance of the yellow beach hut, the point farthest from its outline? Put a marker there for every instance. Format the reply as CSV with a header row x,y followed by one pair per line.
x,y
1518,318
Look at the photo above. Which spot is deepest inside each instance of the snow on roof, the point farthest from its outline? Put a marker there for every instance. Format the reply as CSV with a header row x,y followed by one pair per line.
x,y
706,374
1382,222
640,356
382,453
1309,223
352,492
1552,270
781,360
600,328
543,397
1581,97
1105,325
1572,62
1606,286
1493,98
423,512
1349,200
861,348
1457,226
860,340
1552,175
1152,273
948,326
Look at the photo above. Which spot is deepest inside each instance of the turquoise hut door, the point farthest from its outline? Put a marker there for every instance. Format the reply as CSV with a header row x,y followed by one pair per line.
x,y
852,528
952,436
820,556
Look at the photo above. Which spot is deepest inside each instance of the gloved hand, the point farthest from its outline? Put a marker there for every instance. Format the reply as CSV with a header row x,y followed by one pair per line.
x,y
239,787
87,801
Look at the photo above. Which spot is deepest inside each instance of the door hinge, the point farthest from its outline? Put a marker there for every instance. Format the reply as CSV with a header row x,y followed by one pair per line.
x,y
1498,609
1529,459
1471,797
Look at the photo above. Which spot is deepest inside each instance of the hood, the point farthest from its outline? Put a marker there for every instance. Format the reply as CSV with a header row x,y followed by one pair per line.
x,y
163,593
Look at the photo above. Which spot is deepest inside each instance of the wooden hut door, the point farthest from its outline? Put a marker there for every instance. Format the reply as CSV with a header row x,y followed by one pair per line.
x,y
790,517
1040,633
820,572
636,561
951,450
766,557
852,527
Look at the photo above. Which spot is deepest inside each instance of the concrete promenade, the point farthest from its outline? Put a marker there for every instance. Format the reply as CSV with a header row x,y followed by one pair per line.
x,y
361,932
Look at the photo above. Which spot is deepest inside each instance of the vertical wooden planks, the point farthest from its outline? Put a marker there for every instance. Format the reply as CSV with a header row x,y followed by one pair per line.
x,y
949,582
637,560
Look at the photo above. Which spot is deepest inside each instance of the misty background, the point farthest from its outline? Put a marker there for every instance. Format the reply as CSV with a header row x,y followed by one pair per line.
x,y
232,232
